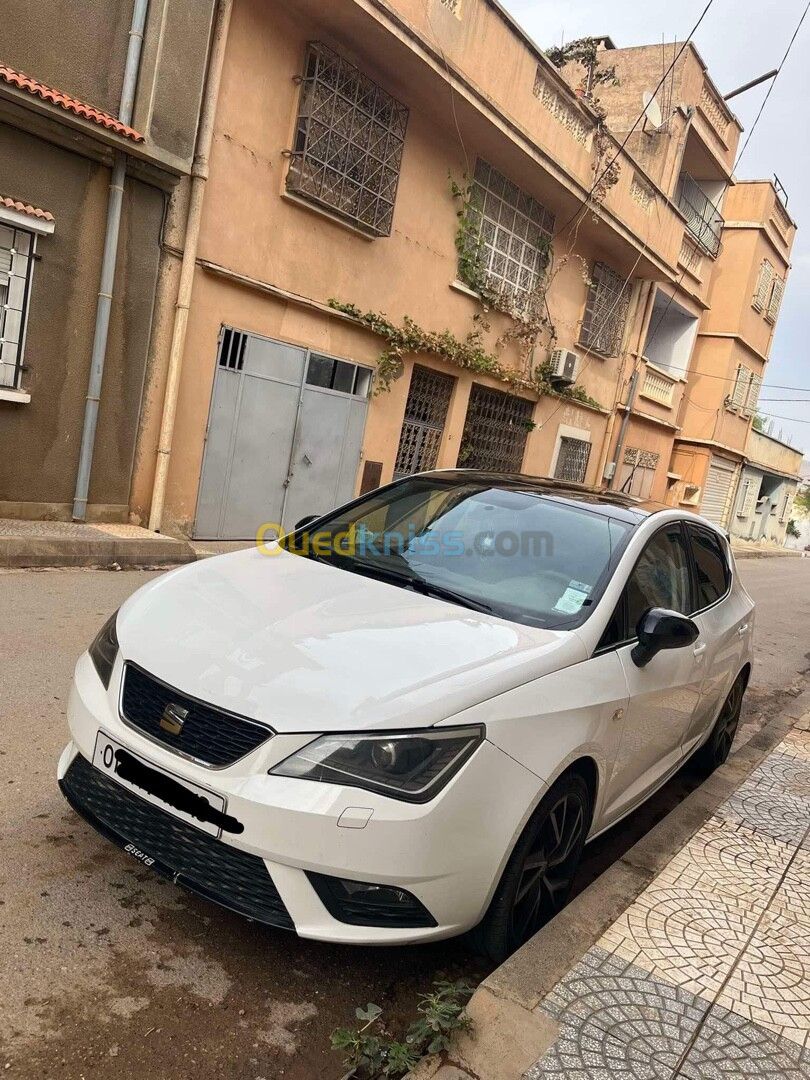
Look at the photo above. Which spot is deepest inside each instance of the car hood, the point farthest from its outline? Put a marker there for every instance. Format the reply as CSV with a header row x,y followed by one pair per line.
x,y
305,646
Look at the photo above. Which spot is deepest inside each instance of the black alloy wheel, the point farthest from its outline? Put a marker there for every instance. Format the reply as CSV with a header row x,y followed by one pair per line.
x,y
718,746
537,880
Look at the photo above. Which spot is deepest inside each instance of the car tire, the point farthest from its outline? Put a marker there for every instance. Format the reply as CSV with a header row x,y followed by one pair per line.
x,y
537,879
718,745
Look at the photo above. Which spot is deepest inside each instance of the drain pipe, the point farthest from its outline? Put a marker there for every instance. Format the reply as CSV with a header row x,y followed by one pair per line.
x,y
105,291
199,175
617,453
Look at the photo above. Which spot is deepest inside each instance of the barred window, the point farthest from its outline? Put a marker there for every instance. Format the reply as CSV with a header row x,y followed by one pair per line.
x,y
763,286
423,425
775,302
495,430
572,460
16,266
514,231
606,308
348,142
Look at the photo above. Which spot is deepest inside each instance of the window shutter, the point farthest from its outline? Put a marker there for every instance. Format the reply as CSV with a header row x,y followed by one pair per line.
x,y
763,286
16,263
750,492
753,393
740,392
772,314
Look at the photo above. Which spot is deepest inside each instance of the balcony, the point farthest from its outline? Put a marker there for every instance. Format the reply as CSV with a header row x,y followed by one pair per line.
x,y
658,387
703,219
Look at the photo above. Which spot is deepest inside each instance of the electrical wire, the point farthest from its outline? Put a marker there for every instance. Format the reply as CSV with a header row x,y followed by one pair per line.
x,y
584,202
773,83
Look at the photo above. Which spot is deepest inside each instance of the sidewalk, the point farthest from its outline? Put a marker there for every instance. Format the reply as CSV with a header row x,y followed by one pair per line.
x,y
65,543
689,957
707,974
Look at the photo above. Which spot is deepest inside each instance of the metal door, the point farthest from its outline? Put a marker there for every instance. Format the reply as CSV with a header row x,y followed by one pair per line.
x,y
718,489
278,438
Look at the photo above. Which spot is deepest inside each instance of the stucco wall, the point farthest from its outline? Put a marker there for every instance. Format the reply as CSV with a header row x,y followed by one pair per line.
x,y
81,48
39,441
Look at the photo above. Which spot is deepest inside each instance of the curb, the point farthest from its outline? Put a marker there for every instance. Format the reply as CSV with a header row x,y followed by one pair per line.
x,y
508,1034
27,552
754,553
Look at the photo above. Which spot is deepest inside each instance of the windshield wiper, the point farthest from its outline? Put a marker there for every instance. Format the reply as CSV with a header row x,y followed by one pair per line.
x,y
407,581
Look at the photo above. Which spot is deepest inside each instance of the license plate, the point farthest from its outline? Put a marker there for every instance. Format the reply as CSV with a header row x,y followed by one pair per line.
x,y
188,802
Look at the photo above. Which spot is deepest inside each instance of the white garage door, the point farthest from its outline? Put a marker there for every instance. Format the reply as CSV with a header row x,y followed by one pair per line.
x,y
716,496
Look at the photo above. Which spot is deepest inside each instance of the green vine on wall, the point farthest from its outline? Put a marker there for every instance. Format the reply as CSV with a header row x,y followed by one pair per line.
x,y
585,51
468,353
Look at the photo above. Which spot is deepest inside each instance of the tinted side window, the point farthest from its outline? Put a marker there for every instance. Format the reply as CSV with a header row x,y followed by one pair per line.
x,y
713,574
660,578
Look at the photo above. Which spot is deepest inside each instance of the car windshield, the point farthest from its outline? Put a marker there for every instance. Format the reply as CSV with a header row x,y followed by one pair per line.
x,y
527,555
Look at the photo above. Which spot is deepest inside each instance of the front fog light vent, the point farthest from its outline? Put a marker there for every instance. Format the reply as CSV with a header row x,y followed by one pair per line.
x,y
362,903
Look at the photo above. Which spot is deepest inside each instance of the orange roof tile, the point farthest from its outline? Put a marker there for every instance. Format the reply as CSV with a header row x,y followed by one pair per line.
x,y
65,101
25,208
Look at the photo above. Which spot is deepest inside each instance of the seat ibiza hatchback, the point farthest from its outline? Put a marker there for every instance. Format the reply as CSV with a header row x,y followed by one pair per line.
x,y
404,720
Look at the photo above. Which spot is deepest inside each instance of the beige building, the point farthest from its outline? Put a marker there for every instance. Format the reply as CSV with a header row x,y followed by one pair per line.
x,y
374,168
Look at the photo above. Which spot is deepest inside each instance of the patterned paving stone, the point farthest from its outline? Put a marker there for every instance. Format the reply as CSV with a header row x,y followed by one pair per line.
x,y
618,1022
771,983
729,1047
687,936
730,859
768,809
606,995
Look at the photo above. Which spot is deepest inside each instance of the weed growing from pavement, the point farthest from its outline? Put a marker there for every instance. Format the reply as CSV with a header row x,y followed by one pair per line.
x,y
371,1053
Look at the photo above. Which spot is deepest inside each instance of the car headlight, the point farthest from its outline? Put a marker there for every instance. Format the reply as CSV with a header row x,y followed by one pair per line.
x,y
104,650
413,766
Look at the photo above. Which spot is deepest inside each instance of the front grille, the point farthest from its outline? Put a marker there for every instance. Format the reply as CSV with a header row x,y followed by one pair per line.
x,y
208,734
207,866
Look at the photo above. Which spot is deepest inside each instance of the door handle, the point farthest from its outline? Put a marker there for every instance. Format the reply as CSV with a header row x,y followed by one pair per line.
x,y
743,629
699,650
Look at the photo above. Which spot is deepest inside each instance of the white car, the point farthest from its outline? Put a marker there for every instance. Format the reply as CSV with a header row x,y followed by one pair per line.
x,y
405,720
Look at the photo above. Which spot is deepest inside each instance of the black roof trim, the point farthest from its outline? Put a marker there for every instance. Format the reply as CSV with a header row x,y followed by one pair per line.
x,y
611,503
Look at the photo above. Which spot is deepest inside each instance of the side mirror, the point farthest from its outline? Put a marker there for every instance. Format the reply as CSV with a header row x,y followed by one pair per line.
x,y
302,524
661,629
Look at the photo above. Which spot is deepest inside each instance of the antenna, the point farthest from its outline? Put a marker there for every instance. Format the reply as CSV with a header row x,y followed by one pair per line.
x,y
652,111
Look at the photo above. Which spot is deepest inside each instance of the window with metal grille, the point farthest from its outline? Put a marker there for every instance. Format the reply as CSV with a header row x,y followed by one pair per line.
x,y
775,302
572,460
606,310
423,426
495,430
348,142
16,267
514,231
232,349
763,286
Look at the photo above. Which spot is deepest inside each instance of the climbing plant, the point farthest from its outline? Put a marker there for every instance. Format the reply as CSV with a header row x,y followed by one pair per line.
x,y
468,353
585,51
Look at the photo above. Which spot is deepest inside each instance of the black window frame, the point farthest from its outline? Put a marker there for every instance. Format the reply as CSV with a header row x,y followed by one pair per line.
x,y
629,636
699,527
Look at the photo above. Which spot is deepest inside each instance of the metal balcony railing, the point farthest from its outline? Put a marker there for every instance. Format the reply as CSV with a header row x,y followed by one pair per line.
x,y
704,220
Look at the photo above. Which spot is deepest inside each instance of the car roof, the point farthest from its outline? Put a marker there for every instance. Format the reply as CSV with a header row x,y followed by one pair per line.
x,y
613,504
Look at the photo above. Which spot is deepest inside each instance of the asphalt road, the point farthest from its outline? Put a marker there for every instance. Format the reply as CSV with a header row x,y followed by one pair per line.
x,y
106,970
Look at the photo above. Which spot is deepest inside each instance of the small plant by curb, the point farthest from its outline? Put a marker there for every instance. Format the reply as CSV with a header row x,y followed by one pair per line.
x,y
370,1052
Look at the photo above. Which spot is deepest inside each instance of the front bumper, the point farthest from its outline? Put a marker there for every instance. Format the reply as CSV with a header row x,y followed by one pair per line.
x,y
447,853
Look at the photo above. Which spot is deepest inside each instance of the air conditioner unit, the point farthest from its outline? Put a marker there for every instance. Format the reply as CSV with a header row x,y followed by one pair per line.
x,y
564,365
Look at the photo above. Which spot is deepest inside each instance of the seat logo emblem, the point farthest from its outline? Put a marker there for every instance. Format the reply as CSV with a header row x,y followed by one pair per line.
x,y
174,716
